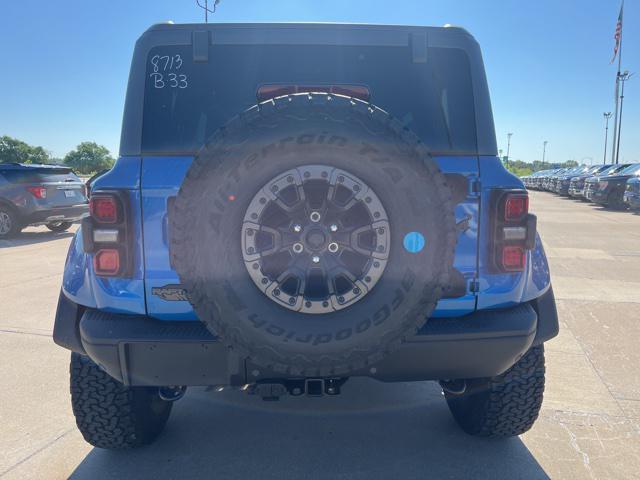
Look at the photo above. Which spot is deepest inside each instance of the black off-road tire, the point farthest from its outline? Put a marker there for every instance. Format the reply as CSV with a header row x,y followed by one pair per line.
x,y
15,225
289,132
510,405
59,226
110,415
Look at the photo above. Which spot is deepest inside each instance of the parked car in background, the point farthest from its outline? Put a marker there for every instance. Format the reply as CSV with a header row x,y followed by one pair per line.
x,y
550,181
530,180
536,180
50,195
591,183
543,180
632,193
610,189
576,185
562,182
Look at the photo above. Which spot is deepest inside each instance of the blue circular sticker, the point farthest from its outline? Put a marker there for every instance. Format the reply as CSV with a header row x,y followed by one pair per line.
x,y
413,242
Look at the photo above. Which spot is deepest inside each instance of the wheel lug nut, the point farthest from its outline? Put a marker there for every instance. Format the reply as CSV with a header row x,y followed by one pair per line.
x,y
333,247
315,217
333,228
297,228
315,259
298,247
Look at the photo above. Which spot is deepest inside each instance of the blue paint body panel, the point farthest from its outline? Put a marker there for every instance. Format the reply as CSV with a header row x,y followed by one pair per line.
x,y
466,256
151,181
118,295
161,179
498,290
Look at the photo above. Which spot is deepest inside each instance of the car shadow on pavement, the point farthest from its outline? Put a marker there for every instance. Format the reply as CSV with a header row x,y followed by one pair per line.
x,y
604,208
33,238
373,430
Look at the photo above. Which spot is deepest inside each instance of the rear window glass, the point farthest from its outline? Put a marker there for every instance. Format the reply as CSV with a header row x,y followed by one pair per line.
x,y
186,101
39,175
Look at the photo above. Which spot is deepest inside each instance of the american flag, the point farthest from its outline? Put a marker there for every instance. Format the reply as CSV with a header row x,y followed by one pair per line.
x,y
618,35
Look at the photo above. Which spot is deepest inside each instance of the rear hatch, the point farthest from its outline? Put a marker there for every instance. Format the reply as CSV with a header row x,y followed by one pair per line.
x,y
60,186
192,90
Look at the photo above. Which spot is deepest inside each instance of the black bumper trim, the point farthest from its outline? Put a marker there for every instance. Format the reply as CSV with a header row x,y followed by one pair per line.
x,y
548,325
138,350
66,327
66,214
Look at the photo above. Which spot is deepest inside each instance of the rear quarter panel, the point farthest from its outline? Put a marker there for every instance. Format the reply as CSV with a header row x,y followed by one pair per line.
x,y
118,295
506,289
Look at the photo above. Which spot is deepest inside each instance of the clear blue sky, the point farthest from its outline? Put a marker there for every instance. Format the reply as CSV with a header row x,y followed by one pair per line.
x,y
65,64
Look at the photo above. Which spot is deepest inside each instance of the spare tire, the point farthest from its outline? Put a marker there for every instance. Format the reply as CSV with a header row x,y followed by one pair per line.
x,y
313,234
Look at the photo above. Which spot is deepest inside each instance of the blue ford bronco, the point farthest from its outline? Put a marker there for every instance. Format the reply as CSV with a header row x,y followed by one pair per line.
x,y
295,205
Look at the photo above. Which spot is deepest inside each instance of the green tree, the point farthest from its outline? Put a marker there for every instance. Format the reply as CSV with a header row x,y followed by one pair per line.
x,y
88,158
521,169
14,150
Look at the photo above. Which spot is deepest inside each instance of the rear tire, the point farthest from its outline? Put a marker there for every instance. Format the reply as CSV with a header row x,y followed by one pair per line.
x,y
109,414
59,226
9,223
511,403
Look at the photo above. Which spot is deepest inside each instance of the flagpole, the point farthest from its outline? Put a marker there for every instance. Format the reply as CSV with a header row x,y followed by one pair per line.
x,y
616,128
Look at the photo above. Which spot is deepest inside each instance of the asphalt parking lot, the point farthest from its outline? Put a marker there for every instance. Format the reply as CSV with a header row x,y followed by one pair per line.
x,y
589,426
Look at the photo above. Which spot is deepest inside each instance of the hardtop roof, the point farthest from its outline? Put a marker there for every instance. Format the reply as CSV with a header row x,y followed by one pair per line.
x,y
419,39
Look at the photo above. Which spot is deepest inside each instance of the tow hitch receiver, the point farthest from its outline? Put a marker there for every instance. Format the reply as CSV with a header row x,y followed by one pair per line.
x,y
271,390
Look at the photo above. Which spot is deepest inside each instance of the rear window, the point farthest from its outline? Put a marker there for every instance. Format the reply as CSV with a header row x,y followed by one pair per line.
x,y
186,101
39,175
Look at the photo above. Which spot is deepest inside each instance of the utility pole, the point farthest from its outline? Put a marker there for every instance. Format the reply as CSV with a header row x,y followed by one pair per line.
x,y
508,146
607,116
618,52
623,78
544,151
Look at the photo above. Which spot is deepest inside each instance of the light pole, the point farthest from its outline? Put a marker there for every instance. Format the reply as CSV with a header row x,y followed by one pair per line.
x,y
607,116
623,78
544,151
508,146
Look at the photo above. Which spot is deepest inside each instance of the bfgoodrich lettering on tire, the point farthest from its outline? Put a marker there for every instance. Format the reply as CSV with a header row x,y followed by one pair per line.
x,y
313,234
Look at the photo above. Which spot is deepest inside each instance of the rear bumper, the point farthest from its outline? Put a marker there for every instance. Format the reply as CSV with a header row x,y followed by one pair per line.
x,y
138,350
73,213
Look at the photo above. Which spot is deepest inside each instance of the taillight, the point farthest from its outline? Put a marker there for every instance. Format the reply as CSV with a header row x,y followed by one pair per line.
x,y
514,230
514,258
602,185
106,234
106,262
516,207
104,208
38,192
